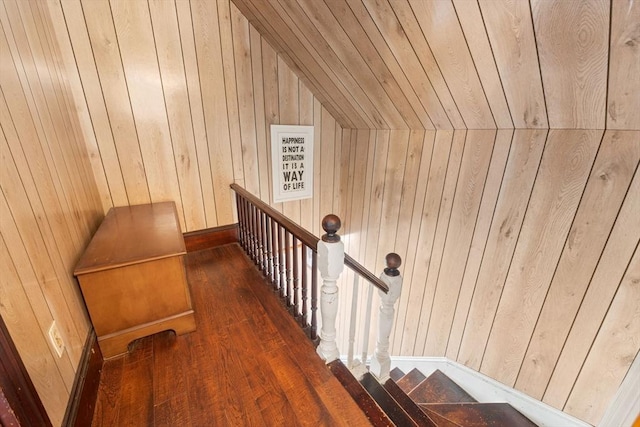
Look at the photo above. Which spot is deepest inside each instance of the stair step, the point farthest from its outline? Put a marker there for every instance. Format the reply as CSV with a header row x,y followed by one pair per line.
x,y
410,407
439,388
411,380
374,413
396,374
476,414
388,404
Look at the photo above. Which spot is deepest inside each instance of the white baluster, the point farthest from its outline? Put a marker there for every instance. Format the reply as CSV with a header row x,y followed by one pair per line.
x,y
330,264
381,362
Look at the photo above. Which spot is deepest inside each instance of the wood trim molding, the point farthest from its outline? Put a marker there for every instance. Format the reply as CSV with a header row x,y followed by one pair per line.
x,y
16,385
211,237
82,401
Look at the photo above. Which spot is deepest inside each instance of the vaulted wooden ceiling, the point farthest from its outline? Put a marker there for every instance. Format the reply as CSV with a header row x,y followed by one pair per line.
x,y
425,64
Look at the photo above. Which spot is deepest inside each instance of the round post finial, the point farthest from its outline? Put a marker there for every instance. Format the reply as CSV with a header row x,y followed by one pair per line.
x,y
393,262
331,224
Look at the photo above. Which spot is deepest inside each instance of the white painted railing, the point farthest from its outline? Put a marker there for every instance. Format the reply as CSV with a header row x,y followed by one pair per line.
x,y
273,242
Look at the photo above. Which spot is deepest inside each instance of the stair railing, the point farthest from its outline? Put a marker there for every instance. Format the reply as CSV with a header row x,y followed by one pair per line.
x,y
281,249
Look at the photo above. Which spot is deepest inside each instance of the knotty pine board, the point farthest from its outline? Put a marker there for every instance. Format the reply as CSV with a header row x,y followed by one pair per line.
x,y
439,241
454,60
169,53
425,229
623,102
187,42
471,180
512,39
408,251
413,31
492,185
572,40
353,70
564,170
519,178
613,263
585,399
478,42
32,346
73,80
120,123
104,154
615,164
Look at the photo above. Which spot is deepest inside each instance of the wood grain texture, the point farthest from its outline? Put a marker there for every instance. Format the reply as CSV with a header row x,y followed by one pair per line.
x,y
614,260
468,195
606,188
611,339
623,102
512,38
563,173
50,204
519,178
266,372
572,40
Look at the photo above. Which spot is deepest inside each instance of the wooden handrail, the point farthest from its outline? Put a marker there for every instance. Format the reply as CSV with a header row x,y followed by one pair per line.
x,y
303,235
369,276
308,238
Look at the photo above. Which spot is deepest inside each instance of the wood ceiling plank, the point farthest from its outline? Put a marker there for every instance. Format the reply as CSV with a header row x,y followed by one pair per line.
x,y
412,29
454,59
386,34
478,42
399,91
306,20
384,92
572,38
308,64
513,43
623,101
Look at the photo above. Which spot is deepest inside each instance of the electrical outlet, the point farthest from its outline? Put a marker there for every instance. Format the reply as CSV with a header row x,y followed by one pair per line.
x,y
56,339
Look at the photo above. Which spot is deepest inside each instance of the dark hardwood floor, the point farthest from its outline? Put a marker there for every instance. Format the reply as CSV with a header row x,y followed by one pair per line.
x,y
248,363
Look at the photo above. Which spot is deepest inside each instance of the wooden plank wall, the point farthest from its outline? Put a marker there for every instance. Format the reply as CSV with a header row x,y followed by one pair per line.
x,y
108,104
520,252
519,242
179,99
49,203
443,64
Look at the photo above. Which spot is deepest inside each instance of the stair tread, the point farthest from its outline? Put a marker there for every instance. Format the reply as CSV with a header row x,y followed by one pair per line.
x,y
410,407
409,381
388,404
439,388
474,414
396,374
367,404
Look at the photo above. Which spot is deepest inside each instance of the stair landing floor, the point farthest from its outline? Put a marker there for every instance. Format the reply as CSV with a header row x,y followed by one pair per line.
x,y
248,362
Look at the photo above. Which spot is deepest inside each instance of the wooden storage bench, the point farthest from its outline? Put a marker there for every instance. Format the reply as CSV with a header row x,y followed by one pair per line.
x,y
133,279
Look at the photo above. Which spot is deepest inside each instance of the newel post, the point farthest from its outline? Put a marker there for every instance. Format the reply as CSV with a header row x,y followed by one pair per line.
x,y
330,264
381,362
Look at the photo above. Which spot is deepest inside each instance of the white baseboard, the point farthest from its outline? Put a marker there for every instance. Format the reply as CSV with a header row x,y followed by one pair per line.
x,y
485,389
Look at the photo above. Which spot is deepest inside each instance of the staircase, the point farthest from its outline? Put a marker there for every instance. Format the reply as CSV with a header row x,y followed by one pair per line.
x,y
414,399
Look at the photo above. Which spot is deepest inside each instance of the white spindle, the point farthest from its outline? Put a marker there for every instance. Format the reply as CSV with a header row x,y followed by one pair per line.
x,y
330,265
367,325
353,320
381,361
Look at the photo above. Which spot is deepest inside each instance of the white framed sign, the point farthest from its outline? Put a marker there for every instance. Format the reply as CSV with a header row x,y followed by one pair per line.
x,y
291,162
